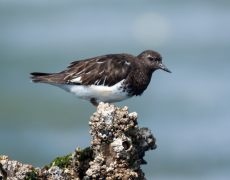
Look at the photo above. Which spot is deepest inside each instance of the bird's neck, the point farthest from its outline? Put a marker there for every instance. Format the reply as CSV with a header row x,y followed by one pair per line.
x,y
139,82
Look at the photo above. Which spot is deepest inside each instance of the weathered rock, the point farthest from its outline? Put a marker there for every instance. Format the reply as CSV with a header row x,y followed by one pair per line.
x,y
117,149
118,144
12,169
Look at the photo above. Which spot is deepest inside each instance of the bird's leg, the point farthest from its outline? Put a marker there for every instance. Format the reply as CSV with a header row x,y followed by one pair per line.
x,y
94,102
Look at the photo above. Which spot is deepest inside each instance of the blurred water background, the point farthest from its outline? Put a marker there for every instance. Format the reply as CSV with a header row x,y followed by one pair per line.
x,y
188,110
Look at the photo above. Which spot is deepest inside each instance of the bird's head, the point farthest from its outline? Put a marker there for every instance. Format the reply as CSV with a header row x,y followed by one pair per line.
x,y
153,60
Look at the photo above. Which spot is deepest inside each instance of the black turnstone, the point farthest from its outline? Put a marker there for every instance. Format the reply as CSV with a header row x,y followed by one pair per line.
x,y
108,78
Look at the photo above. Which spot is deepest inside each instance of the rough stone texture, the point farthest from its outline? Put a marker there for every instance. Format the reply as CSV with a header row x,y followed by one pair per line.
x,y
13,169
118,144
117,149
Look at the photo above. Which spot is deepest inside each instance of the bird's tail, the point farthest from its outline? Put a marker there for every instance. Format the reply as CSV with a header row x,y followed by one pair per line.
x,y
41,77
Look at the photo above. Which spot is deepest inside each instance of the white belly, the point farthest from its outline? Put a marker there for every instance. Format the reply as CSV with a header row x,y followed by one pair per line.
x,y
100,93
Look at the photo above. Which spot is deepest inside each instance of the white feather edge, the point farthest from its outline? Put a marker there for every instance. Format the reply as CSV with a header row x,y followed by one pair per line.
x,y
76,80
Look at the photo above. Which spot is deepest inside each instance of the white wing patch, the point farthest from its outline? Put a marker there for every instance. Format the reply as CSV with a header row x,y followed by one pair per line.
x,y
76,80
127,63
100,62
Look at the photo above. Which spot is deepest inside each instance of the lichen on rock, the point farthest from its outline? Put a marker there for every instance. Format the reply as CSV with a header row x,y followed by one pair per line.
x,y
117,150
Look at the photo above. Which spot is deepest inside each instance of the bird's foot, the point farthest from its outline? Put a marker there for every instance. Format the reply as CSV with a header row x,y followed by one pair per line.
x,y
94,102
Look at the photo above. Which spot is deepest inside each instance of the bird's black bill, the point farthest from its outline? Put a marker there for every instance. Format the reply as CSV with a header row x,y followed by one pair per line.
x,y
163,67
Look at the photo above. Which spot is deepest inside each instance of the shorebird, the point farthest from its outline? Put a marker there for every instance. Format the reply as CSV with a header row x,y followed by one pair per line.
x,y
107,78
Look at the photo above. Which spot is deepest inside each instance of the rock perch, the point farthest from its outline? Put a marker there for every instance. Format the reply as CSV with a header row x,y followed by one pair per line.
x,y
117,149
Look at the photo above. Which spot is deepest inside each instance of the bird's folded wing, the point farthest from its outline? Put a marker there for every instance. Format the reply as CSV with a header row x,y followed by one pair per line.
x,y
103,70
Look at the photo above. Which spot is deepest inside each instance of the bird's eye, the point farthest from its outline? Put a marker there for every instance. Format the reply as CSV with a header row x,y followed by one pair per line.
x,y
151,58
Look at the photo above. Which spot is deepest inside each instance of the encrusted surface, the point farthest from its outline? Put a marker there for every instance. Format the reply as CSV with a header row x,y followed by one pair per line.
x,y
119,146
13,169
117,149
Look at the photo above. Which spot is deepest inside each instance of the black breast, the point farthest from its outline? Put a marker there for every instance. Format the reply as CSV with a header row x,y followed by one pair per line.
x,y
137,82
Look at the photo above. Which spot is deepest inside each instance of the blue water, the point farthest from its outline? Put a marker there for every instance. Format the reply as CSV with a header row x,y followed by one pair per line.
x,y
188,110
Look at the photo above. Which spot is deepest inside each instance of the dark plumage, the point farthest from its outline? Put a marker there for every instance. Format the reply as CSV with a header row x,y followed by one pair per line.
x,y
133,72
